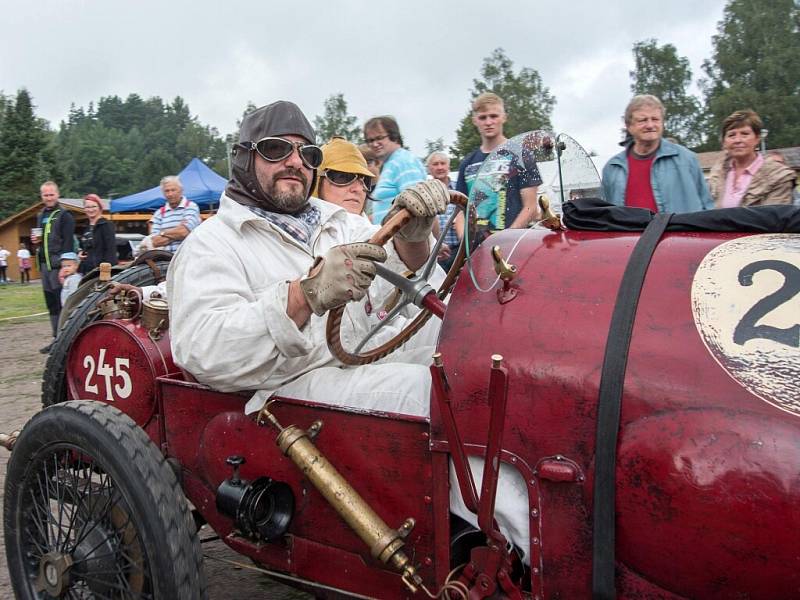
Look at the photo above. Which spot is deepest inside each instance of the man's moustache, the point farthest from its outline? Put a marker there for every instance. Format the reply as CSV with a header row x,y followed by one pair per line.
x,y
292,173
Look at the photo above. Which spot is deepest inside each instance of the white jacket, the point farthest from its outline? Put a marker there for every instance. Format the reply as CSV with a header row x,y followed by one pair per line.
x,y
228,290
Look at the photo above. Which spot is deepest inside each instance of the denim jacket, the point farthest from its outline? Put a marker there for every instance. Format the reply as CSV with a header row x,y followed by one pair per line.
x,y
676,177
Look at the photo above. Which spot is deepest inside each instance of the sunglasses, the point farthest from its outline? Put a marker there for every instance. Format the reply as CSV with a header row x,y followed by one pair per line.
x,y
276,149
343,179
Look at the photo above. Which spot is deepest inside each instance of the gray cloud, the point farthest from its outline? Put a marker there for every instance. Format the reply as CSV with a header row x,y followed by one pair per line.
x,y
415,60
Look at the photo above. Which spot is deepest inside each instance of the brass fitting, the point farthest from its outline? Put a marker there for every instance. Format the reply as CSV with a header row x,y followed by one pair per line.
x,y
155,317
506,271
384,543
549,219
105,272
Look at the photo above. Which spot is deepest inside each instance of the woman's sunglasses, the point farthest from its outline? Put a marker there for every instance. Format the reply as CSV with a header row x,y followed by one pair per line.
x,y
276,149
343,179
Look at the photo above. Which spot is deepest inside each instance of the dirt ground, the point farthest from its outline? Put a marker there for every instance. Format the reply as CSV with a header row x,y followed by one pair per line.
x,y
21,367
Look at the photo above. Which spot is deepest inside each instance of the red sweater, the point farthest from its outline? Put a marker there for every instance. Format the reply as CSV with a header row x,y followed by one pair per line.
x,y
639,192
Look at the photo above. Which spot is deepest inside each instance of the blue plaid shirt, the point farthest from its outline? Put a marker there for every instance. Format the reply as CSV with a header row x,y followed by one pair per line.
x,y
451,239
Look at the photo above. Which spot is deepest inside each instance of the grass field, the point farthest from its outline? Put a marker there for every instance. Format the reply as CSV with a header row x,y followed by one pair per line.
x,y
19,300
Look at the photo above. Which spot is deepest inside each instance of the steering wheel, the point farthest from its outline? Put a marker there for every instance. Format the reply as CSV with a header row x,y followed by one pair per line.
x,y
413,290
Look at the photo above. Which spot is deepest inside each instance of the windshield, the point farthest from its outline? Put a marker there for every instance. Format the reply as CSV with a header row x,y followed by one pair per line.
x,y
556,165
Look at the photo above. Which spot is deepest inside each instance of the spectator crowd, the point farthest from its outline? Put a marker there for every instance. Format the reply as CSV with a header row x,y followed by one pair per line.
x,y
651,172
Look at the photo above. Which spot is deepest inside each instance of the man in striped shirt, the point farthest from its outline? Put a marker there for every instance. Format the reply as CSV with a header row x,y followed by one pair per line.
x,y
175,220
400,170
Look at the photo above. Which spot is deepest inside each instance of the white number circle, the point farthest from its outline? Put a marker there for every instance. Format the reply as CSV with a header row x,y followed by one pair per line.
x,y
746,306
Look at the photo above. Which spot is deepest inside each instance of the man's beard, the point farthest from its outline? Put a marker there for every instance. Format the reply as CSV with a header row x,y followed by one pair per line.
x,y
286,201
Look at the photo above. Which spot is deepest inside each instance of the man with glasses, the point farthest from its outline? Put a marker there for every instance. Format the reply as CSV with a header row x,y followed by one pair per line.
x,y
652,172
400,169
250,288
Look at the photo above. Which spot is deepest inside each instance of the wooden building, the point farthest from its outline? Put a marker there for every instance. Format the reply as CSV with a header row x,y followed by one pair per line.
x,y
16,229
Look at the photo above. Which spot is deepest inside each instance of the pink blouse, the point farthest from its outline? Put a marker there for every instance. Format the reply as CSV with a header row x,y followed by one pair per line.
x,y
736,187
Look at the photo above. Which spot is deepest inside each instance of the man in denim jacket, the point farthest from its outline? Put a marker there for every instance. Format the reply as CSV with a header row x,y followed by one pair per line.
x,y
652,172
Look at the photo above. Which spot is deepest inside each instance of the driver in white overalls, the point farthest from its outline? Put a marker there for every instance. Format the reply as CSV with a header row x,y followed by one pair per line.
x,y
250,289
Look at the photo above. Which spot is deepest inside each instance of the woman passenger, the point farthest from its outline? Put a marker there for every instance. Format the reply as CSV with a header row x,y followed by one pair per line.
x,y
743,177
343,177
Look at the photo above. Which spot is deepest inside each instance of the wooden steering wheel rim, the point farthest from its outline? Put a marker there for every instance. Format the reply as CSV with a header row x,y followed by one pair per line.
x,y
381,237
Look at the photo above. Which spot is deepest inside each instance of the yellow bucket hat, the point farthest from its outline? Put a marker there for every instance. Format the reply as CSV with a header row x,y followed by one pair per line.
x,y
340,155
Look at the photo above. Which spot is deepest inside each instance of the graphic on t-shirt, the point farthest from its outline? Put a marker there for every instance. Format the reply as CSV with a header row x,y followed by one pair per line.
x,y
495,189
488,191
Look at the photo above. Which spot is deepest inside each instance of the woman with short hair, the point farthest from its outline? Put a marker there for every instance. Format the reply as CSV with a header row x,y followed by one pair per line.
x,y
743,177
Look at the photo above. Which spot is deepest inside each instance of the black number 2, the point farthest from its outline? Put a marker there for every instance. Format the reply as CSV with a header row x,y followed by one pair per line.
x,y
747,328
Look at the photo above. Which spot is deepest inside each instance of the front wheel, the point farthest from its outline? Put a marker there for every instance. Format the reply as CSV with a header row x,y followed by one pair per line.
x,y
92,510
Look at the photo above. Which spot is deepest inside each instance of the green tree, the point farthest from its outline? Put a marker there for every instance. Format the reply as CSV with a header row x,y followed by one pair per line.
x,y
336,121
436,145
4,101
661,72
126,145
24,159
756,64
528,103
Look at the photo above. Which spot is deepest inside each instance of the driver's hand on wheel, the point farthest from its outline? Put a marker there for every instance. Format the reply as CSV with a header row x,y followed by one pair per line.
x,y
424,201
344,274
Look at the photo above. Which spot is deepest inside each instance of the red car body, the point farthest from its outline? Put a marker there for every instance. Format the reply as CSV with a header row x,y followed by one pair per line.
x,y
708,457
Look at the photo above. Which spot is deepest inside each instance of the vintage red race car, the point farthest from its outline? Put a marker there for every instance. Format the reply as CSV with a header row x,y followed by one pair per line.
x,y
646,387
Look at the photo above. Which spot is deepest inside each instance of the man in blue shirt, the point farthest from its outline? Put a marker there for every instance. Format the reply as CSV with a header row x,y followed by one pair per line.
x,y
652,172
401,169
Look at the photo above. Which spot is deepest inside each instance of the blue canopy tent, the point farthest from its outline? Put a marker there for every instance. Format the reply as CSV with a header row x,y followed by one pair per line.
x,y
200,184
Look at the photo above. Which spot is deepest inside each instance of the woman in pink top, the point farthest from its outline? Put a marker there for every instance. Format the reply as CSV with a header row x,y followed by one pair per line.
x,y
743,177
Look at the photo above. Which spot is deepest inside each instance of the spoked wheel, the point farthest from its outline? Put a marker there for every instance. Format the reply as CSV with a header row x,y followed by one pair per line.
x,y
92,510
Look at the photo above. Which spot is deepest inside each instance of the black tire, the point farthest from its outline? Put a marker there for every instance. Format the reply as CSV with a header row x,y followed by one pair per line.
x,y
54,383
93,510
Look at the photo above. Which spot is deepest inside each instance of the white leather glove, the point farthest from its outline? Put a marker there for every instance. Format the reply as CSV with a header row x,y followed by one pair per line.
x,y
424,200
344,274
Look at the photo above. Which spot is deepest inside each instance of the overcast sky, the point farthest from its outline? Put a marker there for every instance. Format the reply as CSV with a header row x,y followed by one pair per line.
x,y
414,60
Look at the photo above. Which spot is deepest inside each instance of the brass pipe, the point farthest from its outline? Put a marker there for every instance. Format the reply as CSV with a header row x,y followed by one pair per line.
x,y
384,543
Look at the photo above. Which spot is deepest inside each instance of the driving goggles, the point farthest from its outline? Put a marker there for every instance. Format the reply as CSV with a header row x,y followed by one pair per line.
x,y
343,179
276,149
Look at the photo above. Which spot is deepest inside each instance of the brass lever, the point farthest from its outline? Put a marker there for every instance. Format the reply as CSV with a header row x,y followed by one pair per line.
x,y
506,271
549,219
